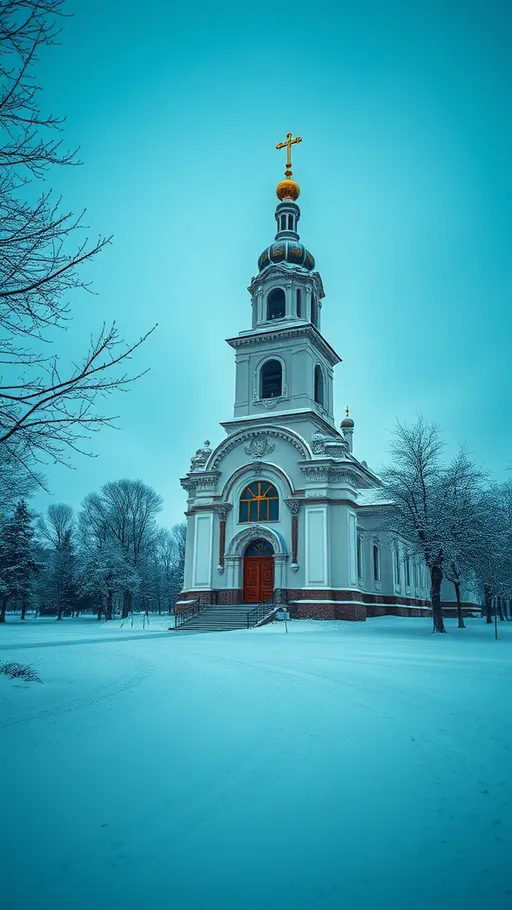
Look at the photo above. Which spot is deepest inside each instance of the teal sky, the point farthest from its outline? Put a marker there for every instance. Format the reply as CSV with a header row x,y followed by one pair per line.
x,y
406,202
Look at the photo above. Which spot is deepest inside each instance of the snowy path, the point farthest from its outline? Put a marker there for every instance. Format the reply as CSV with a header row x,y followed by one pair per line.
x,y
342,765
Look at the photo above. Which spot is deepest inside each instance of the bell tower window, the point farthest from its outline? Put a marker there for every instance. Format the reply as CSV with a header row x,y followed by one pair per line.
x,y
271,379
276,304
290,222
319,385
314,310
283,222
299,303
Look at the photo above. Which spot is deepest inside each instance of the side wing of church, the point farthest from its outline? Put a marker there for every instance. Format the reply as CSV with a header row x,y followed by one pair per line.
x,y
282,510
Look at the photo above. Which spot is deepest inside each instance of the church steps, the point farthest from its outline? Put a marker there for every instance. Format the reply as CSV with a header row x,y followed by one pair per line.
x,y
219,618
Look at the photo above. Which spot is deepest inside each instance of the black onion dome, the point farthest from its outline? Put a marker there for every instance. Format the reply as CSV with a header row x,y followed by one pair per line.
x,y
287,251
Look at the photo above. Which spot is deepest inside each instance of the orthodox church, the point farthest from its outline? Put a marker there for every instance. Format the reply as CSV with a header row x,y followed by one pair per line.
x,y
282,510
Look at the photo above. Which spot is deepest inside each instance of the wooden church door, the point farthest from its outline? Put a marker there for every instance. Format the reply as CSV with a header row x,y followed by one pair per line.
x,y
258,572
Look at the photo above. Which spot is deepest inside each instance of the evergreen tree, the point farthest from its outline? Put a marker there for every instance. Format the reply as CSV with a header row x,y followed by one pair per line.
x,y
17,563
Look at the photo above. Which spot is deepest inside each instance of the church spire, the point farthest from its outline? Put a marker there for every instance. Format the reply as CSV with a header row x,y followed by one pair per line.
x,y
287,250
288,189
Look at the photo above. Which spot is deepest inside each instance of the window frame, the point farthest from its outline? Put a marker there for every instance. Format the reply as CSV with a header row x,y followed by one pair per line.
x,y
260,497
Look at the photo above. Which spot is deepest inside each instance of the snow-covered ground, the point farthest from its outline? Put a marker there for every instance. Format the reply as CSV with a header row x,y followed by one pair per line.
x,y
355,766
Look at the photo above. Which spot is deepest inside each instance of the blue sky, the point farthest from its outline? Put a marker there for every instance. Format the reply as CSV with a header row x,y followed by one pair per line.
x,y
406,204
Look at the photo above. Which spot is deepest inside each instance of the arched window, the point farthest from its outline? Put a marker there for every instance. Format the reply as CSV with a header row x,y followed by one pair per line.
x,y
283,222
319,385
299,303
290,222
271,379
376,562
276,304
314,310
259,502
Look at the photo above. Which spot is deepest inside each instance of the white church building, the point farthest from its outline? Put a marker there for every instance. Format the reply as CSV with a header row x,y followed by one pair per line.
x,y
282,509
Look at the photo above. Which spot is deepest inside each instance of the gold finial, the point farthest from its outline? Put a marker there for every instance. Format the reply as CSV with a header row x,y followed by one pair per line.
x,y
288,145
288,189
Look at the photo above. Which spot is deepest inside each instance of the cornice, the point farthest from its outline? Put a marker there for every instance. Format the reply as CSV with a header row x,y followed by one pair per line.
x,y
305,331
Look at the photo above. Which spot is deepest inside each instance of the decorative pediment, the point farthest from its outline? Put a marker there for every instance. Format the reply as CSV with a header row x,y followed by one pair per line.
x,y
258,440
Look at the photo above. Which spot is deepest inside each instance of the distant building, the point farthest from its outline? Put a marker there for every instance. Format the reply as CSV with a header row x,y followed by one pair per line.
x,y
282,508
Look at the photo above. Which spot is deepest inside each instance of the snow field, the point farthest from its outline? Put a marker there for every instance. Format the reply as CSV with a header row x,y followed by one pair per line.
x,y
340,765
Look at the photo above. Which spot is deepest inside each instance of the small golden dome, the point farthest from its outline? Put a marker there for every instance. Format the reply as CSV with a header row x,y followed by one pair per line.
x,y
288,189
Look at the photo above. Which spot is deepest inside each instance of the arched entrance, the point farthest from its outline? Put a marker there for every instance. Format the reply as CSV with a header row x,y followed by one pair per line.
x,y
258,571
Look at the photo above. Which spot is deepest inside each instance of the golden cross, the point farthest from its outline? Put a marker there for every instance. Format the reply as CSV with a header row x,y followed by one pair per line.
x,y
288,145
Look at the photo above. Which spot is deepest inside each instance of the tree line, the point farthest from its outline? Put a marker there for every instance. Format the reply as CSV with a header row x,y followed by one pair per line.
x,y
112,557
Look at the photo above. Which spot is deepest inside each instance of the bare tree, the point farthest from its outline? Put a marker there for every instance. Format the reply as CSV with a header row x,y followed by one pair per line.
x,y
433,505
467,523
45,408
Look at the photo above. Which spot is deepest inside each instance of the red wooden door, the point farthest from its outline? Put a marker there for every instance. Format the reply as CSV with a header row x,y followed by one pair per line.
x,y
258,579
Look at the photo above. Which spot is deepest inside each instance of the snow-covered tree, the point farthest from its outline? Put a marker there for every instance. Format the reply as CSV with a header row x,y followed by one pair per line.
x,y
493,567
17,563
433,504
105,573
124,512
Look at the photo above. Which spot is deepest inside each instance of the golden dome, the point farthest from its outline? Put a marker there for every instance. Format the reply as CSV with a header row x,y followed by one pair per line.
x,y
288,189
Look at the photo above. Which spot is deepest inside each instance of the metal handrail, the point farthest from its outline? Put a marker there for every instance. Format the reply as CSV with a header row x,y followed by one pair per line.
x,y
260,611
193,610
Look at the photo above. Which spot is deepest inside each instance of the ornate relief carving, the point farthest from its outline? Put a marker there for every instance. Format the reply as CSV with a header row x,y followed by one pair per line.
x,y
206,482
274,434
294,505
329,473
332,446
268,403
222,510
316,472
259,445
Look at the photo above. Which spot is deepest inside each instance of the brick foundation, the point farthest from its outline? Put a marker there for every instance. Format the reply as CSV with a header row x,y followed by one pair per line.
x,y
355,606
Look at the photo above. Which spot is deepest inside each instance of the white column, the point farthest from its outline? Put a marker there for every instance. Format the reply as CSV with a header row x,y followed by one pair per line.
x,y
203,553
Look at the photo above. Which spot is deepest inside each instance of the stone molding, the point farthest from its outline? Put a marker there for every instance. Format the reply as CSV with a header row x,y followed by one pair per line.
x,y
329,473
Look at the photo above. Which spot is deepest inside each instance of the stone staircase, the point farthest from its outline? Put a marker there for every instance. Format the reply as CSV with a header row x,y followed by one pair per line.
x,y
223,618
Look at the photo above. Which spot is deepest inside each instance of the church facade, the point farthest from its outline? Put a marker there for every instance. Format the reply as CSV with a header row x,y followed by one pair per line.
x,y
282,510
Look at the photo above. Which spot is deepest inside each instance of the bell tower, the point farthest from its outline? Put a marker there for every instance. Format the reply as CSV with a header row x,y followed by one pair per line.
x,y
284,365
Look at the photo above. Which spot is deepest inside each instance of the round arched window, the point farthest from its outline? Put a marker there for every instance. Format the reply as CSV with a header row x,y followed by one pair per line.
x,y
276,304
319,385
259,502
271,379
